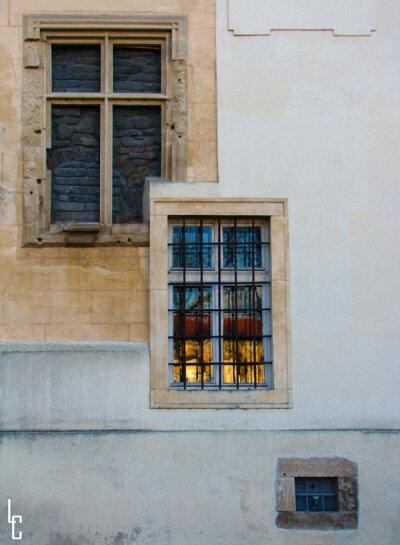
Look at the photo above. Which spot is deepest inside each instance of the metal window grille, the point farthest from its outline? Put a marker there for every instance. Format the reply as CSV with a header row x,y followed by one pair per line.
x,y
219,304
316,494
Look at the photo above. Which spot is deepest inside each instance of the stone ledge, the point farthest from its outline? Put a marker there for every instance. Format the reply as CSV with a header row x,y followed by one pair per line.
x,y
74,347
317,521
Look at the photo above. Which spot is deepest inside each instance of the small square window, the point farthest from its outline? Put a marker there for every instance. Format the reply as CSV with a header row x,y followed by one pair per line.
x,y
316,494
327,500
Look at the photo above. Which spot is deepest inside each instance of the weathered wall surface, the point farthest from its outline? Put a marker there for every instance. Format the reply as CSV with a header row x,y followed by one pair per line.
x,y
106,386
75,294
308,116
320,125
194,488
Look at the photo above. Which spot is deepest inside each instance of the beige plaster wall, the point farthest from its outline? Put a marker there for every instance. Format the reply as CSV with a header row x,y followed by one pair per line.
x,y
91,294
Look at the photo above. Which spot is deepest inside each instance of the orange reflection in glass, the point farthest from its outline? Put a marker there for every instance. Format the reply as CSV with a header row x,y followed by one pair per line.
x,y
192,324
243,352
193,355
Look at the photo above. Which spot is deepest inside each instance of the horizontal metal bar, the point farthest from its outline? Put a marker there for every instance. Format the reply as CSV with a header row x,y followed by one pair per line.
x,y
226,310
222,244
223,283
248,337
227,363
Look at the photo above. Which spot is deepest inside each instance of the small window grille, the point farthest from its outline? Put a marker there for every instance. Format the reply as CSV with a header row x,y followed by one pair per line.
x,y
316,494
219,304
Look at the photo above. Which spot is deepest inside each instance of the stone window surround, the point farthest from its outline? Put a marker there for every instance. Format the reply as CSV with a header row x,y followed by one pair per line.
x,y
160,209
170,30
346,518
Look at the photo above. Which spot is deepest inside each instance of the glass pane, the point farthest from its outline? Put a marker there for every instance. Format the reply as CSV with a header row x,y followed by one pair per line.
x,y
301,503
314,486
244,296
192,324
242,324
190,253
246,374
242,240
74,161
137,69
75,68
300,486
328,485
314,503
192,296
192,355
330,503
136,154
242,351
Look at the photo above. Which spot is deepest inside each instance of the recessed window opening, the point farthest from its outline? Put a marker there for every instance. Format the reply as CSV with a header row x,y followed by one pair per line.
x,y
106,101
219,304
316,494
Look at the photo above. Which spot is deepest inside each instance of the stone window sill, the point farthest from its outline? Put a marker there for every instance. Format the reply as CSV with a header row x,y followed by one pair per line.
x,y
91,235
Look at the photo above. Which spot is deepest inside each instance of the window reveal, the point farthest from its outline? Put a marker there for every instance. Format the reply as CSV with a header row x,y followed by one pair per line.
x,y
220,312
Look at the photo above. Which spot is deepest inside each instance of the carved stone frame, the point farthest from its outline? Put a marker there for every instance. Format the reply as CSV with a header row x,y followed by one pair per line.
x,y
346,518
36,179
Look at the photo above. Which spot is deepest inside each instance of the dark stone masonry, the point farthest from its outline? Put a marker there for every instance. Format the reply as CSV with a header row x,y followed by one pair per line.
x,y
136,154
137,70
75,68
74,161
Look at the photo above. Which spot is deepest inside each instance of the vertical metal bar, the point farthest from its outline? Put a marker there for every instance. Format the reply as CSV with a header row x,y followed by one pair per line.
x,y
236,304
219,287
201,306
184,301
253,285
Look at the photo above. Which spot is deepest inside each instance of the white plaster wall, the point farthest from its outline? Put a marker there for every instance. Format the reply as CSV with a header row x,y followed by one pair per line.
x,y
316,118
189,488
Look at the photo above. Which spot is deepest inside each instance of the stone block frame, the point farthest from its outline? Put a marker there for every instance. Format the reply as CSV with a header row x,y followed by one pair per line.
x,y
162,396
346,518
37,229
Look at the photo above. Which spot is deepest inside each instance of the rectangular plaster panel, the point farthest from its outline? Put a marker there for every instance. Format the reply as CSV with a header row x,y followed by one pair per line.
x,y
344,17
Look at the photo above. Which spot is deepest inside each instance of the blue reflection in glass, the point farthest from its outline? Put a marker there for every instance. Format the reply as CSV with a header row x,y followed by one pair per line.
x,y
188,252
243,242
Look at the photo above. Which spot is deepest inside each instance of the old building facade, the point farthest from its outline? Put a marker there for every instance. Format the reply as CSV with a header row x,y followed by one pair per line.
x,y
199,272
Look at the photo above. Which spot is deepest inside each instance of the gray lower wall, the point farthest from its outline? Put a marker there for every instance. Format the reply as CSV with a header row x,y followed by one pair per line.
x,y
87,462
98,386
183,488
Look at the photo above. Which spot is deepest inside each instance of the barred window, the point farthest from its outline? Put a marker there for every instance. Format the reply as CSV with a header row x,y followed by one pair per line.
x,y
219,304
316,494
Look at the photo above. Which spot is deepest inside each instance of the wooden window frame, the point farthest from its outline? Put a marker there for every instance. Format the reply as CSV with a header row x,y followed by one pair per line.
x,y
162,394
40,32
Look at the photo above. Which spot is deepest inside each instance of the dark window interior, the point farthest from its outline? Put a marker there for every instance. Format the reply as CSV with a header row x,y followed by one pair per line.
x,y
316,494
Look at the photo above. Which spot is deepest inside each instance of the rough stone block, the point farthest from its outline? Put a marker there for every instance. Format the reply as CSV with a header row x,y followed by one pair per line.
x,y
285,494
